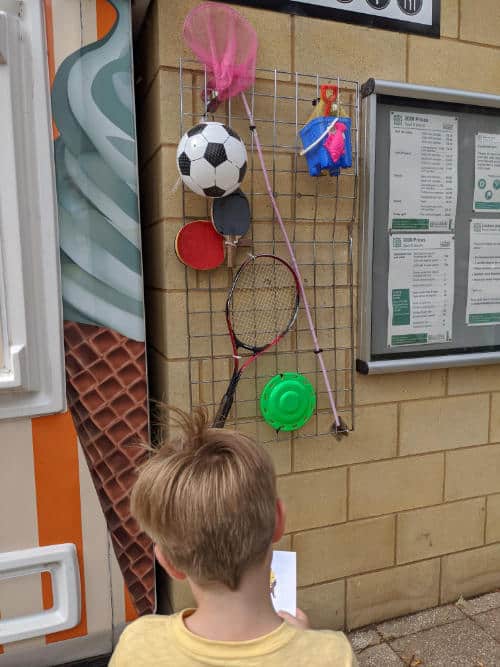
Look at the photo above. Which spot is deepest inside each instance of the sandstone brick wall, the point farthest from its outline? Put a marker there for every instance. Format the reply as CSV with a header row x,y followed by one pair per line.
x,y
406,513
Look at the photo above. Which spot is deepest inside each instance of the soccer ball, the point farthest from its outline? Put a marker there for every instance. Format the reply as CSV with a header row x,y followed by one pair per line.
x,y
212,159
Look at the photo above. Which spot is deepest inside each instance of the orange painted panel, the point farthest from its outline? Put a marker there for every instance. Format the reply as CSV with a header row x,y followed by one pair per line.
x,y
130,611
49,35
49,32
106,17
47,592
57,483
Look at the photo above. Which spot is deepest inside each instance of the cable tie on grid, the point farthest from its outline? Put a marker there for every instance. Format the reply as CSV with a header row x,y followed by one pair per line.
x,y
237,356
176,186
231,243
318,351
253,128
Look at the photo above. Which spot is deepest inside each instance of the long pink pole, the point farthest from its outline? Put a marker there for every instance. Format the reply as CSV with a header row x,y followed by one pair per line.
x,y
338,424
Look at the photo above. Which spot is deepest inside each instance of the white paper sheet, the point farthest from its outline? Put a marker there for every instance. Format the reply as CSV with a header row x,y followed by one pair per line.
x,y
483,288
487,185
283,584
421,288
423,172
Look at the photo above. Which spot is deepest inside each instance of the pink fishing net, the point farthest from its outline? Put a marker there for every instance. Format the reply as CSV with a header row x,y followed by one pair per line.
x,y
226,43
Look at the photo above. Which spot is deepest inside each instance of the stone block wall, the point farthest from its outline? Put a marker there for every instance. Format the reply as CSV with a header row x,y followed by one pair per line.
x,y
406,513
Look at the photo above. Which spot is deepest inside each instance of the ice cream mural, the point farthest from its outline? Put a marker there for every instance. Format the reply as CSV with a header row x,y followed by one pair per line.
x,y
97,186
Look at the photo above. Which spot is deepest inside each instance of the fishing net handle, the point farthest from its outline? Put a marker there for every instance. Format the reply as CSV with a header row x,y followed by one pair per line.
x,y
338,426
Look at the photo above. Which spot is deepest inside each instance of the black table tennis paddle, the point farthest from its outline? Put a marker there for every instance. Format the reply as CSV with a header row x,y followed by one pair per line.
x,y
231,218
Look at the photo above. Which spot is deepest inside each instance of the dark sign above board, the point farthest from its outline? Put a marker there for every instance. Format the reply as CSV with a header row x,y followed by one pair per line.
x,y
417,16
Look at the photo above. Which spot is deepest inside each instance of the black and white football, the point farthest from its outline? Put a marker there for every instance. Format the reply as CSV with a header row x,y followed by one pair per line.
x,y
211,159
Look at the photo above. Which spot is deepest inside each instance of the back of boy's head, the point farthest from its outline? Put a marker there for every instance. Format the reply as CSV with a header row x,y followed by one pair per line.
x,y
207,497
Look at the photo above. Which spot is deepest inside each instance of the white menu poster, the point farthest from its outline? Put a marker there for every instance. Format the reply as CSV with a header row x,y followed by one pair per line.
x,y
487,184
423,172
421,289
483,289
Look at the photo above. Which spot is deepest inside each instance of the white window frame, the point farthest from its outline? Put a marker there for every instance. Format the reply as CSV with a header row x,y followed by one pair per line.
x,y
32,360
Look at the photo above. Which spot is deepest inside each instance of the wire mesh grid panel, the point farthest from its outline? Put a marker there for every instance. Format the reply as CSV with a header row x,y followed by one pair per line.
x,y
319,215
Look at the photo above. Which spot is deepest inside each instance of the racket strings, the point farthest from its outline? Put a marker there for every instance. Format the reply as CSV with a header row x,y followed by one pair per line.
x,y
264,302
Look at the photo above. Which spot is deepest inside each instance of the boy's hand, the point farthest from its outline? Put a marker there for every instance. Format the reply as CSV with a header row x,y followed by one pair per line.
x,y
300,619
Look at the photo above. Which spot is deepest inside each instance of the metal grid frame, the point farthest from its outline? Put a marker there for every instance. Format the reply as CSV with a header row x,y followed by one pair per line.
x,y
319,215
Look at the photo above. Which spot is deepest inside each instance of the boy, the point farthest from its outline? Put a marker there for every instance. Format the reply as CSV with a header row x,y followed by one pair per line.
x,y
208,500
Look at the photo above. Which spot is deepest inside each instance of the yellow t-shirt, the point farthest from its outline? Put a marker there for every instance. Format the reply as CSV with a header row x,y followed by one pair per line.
x,y
164,641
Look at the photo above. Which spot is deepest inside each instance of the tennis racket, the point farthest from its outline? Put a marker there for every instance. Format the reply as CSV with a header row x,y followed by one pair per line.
x,y
261,308
199,246
231,218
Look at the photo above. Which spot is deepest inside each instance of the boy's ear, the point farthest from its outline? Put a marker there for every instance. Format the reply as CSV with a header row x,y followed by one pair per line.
x,y
279,524
167,566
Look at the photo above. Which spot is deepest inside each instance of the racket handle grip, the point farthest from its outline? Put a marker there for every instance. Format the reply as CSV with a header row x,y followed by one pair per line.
x,y
226,404
223,411
230,252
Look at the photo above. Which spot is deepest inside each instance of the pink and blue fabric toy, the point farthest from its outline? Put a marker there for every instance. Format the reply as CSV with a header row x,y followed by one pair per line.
x,y
327,145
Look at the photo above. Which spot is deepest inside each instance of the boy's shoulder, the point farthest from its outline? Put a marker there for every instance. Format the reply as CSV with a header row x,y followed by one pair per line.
x,y
143,637
147,622
321,643
147,626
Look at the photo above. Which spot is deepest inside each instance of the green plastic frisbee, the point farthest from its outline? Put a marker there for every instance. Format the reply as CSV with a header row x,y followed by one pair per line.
x,y
287,401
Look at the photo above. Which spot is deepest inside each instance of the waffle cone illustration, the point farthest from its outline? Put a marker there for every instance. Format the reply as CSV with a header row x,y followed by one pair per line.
x,y
106,388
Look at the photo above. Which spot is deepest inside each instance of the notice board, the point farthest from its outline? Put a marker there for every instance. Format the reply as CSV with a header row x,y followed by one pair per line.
x,y
439,235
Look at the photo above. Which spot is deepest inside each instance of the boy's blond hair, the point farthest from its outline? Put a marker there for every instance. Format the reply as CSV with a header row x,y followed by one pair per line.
x,y
207,498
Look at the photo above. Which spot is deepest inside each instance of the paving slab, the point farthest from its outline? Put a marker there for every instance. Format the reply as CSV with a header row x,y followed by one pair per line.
x,y
458,644
378,656
489,621
480,604
361,639
423,620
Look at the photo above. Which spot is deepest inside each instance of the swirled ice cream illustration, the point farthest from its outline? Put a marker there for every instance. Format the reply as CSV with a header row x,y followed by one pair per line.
x,y
96,169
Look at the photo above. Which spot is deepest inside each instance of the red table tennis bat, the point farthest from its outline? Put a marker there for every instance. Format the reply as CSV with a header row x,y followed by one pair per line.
x,y
231,218
199,246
